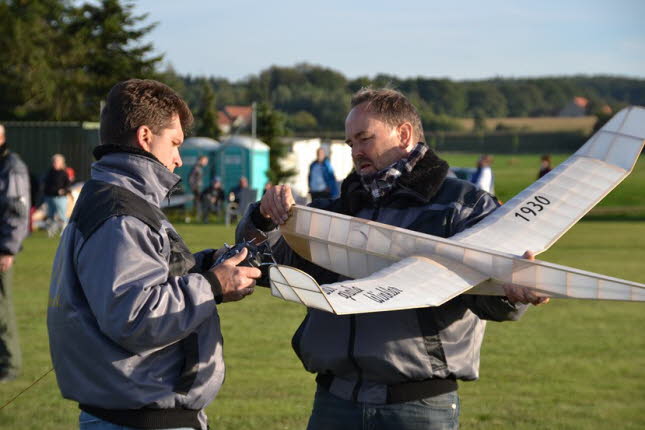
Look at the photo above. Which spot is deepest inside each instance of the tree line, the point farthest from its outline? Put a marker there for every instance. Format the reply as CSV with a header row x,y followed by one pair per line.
x,y
60,57
316,98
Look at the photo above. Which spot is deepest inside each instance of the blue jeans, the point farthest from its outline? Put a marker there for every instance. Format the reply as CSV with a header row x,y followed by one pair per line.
x,y
434,413
57,205
90,422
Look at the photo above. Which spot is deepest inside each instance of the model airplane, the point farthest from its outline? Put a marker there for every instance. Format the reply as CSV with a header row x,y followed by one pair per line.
x,y
392,268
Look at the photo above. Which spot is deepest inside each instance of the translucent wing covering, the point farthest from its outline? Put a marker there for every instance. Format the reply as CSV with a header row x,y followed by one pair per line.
x,y
539,215
484,257
357,248
294,285
411,283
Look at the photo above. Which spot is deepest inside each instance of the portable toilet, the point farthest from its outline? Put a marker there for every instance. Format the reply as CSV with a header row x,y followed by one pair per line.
x,y
190,151
243,156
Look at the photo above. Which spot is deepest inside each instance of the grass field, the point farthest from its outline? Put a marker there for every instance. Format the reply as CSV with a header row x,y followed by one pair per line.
x,y
513,173
567,365
537,124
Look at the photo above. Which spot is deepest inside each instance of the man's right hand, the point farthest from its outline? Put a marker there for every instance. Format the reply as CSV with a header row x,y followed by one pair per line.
x,y
276,203
237,281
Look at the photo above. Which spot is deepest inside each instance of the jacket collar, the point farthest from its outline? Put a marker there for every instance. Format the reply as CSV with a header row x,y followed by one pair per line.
x,y
422,183
136,170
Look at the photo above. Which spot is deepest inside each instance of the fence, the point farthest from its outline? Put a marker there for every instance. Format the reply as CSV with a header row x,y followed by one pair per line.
x,y
36,142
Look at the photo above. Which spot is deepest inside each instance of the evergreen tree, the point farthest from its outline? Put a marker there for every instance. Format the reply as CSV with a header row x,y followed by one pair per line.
x,y
59,59
111,36
31,55
271,127
208,114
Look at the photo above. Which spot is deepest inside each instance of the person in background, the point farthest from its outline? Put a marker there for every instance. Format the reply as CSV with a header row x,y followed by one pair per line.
x,y
545,165
134,330
212,199
14,227
322,182
483,176
56,188
236,191
195,181
399,369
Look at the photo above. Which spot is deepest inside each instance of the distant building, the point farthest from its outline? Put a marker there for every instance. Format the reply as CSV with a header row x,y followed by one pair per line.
x,y
576,107
302,152
233,118
224,122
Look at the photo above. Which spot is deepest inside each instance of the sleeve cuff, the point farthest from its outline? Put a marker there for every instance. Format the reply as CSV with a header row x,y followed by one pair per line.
x,y
262,223
216,287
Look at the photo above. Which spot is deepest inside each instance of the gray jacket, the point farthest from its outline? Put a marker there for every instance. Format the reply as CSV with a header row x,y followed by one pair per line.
x,y
14,202
367,352
126,331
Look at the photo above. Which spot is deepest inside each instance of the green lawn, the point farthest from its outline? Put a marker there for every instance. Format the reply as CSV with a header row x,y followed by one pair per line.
x,y
513,173
567,365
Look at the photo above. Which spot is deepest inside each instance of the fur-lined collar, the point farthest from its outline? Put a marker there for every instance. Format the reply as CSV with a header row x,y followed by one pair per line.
x,y
423,183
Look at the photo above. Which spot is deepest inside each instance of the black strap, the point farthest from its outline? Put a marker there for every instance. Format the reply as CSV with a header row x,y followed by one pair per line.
x,y
147,418
99,201
408,391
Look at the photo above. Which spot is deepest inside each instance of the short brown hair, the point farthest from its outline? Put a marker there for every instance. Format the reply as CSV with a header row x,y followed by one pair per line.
x,y
136,102
391,107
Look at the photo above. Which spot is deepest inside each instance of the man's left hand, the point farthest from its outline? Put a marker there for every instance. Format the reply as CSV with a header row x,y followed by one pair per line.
x,y
6,261
517,294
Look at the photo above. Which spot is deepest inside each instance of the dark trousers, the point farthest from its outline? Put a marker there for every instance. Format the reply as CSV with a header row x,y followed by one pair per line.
x,y
9,346
197,204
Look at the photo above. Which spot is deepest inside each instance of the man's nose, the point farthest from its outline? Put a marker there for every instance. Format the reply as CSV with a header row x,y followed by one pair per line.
x,y
356,150
178,162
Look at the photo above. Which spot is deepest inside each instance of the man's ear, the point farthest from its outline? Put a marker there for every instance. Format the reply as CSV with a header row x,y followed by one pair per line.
x,y
144,137
405,134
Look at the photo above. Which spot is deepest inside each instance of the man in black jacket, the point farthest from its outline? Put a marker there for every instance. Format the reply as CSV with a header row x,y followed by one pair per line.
x,y
391,369
14,222
56,190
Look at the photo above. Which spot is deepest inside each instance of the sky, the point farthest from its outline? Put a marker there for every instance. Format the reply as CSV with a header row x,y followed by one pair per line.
x,y
459,39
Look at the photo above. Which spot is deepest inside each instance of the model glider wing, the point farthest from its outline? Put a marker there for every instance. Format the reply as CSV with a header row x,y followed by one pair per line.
x,y
478,260
413,282
539,215
357,248
416,282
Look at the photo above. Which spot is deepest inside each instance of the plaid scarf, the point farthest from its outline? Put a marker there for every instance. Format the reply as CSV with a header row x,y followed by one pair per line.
x,y
380,183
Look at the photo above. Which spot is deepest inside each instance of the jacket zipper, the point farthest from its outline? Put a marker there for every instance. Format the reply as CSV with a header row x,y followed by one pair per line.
x,y
350,352
352,335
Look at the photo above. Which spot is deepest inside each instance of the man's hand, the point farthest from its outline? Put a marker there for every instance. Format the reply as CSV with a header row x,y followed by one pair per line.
x,y
276,203
6,261
237,281
517,294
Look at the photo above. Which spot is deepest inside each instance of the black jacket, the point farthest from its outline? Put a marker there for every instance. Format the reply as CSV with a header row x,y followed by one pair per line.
x,y
369,351
56,183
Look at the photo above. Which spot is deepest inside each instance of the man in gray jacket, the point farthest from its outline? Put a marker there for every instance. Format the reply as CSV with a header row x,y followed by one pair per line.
x,y
14,227
196,182
391,370
133,326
